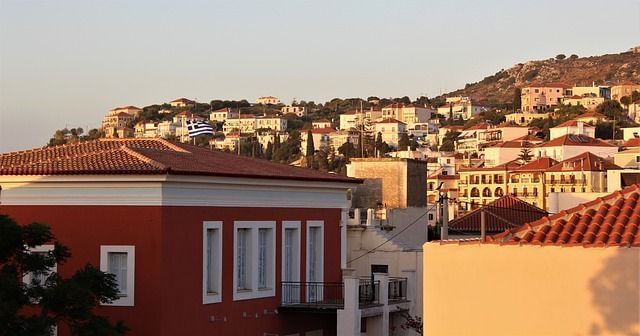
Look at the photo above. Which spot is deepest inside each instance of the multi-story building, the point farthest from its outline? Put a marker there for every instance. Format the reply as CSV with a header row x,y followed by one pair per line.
x,y
132,110
244,123
572,127
600,91
591,117
478,186
359,119
541,97
258,246
321,123
473,139
300,111
146,130
223,114
586,172
588,102
275,123
460,108
623,90
321,138
407,113
339,138
391,129
117,125
527,181
268,100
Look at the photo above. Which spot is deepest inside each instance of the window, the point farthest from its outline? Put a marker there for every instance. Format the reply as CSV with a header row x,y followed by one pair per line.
x,y
254,260
315,255
291,259
119,260
211,262
39,279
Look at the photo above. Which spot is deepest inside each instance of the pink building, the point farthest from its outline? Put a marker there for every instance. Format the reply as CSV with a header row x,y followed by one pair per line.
x,y
540,97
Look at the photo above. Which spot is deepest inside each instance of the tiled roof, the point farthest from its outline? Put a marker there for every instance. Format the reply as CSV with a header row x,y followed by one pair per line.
x,y
183,100
389,121
323,130
129,107
633,142
529,138
583,162
509,144
540,164
592,115
612,220
149,156
505,213
575,140
547,85
567,124
399,105
508,166
479,126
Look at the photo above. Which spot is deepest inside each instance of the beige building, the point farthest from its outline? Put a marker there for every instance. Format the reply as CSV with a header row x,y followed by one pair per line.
x,y
322,123
523,119
591,117
573,273
268,100
479,186
181,102
582,173
629,158
570,145
300,111
132,110
460,108
407,113
622,90
223,114
391,130
590,103
527,181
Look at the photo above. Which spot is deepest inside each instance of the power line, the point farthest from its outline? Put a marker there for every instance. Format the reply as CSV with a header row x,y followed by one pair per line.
x,y
395,235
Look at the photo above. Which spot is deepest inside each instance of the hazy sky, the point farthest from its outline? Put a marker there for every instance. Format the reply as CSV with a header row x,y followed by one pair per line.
x,y
66,63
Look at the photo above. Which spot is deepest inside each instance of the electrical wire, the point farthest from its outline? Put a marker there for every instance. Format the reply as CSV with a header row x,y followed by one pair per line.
x,y
395,235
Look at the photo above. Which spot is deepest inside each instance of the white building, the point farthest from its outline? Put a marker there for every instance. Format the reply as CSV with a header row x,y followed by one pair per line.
x,y
572,127
409,114
268,100
391,129
460,108
300,111
223,114
570,145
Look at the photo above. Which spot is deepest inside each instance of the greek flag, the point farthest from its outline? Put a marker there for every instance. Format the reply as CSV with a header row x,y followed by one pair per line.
x,y
196,128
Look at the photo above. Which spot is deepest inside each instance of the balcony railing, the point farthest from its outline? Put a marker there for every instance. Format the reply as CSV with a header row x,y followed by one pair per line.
x,y
568,181
313,294
330,295
397,289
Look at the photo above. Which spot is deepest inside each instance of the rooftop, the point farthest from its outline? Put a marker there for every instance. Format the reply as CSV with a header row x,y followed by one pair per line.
x,y
149,156
575,140
507,212
583,162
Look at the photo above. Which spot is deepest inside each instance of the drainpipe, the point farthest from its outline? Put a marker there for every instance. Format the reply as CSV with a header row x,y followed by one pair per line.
x,y
444,205
483,225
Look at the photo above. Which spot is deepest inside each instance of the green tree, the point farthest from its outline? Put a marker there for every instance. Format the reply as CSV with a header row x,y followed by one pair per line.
x,y
310,148
348,150
60,300
525,155
561,56
635,96
268,153
403,142
610,108
449,141
517,99
626,101
379,144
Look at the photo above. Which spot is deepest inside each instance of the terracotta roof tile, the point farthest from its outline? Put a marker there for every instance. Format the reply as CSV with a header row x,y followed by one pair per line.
x,y
575,140
389,121
633,142
612,220
540,164
583,162
149,156
505,213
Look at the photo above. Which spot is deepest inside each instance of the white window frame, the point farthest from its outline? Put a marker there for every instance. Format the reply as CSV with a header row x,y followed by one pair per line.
x,y
253,292
208,298
296,271
310,224
127,300
26,278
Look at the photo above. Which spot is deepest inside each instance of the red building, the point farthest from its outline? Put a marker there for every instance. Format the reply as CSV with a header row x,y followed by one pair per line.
x,y
200,241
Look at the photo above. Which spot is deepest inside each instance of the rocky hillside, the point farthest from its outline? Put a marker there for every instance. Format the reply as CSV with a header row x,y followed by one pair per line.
x,y
603,70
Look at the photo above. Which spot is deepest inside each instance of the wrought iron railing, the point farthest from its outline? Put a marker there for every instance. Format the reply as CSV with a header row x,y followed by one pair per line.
x,y
397,289
312,294
368,292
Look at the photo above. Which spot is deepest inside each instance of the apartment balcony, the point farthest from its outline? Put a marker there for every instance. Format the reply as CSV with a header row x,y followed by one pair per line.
x,y
329,296
566,182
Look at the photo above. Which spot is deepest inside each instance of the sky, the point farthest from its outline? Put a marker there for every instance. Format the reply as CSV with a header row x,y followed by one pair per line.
x,y
66,63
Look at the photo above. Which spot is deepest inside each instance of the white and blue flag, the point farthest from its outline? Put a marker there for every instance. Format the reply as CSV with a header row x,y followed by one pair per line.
x,y
196,128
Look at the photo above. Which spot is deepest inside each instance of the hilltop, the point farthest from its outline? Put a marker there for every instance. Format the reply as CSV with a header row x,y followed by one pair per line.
x,y
609,69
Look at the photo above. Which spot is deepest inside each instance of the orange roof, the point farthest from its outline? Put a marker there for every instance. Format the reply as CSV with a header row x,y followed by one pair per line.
x,y
182,100
583,162
149,156
529,138
479,126
540,164
633,142
124,115
129,107
509,144
507,212
592,115
549,85
611,220
575,140
567,124
323,130
390,121
508,166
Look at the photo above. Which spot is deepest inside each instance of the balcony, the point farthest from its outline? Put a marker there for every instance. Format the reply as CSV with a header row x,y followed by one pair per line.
x,y
397,290
566,182
330,295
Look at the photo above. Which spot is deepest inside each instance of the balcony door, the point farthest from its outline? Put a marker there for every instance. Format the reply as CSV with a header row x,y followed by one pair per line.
x,y
291,262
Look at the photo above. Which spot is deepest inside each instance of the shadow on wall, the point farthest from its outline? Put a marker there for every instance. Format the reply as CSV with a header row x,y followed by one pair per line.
x,y
616,294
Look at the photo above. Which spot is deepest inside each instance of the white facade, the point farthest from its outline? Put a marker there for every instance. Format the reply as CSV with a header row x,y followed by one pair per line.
x,y
223,114
630,133
300,111
577,128
563,152
390,131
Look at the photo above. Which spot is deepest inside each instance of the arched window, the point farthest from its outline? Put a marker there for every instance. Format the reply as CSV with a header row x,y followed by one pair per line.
x,y
475,192
499,192
486,192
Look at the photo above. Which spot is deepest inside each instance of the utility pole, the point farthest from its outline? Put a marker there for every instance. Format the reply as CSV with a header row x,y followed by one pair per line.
x,y
444,207
483,225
